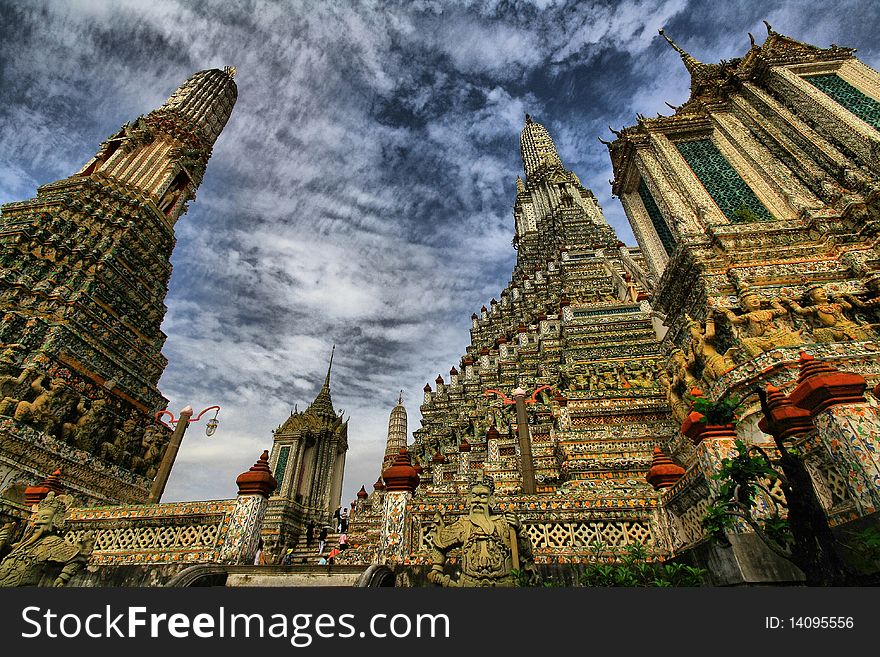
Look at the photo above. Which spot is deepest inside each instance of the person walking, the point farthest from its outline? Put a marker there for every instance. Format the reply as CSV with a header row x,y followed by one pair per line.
x,y
322,539
343,542
337,517
259,557
310,533
343,521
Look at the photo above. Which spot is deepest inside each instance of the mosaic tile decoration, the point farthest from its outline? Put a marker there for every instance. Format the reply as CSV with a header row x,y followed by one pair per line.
x,y
663,233
729,191
843,93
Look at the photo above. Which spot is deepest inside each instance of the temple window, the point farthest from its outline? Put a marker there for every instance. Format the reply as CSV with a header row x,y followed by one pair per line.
x,y
172,194
843,93
729,191
102,156
283,455
663,233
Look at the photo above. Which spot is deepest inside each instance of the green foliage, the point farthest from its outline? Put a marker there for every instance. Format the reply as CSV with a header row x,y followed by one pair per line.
x,y
864,545
719,412
744,214
633,570
742,477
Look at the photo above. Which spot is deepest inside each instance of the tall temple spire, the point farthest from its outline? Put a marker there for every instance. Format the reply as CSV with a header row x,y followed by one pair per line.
x,y
538,151
329,367
95,248
691,63
323,404
396,439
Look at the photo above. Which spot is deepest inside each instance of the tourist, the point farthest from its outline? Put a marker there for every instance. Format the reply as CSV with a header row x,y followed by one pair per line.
x,y
310,533
331,558
322,539
343,542
343,521
288,557
337,516
322,561
259,557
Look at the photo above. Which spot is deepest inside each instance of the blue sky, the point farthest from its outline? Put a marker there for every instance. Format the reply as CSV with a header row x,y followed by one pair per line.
x,y
362,191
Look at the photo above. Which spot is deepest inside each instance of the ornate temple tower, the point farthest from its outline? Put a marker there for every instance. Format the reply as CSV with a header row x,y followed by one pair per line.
x,y
84,270
396,433
308,460
574,329
756,205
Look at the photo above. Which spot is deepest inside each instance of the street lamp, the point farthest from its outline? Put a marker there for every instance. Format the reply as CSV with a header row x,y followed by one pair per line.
x,y
210,427
522,425
180,425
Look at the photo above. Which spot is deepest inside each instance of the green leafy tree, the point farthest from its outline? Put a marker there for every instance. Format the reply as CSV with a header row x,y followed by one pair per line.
x,y
799,531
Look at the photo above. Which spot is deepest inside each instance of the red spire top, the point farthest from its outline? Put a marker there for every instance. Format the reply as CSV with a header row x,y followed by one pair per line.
x,y
258,480
362,493
484,351
464,445
784,419
492,433
484,309
521,328
439,380
564,302
474,316
663,472
809,366
453,371
401,475
51,484
821,386
438,458
427,387
379,485
501,339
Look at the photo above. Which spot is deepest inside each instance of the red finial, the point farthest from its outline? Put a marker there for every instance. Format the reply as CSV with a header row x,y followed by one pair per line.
x,y
362,493
51,484
258,480
821,386
401,475
784,419
663,472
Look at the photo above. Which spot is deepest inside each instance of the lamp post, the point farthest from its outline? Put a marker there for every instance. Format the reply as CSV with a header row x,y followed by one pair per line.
x,y
527,465
180,426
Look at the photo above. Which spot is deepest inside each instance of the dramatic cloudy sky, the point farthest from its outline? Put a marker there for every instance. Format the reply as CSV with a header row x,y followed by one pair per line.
x,y
361,193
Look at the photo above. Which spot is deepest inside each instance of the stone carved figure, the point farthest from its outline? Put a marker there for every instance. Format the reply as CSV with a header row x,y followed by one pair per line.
x,y
91,427
677,380
872,303
763,331
832,324
42,551
153,445
126,437
492,545
51,406
701,351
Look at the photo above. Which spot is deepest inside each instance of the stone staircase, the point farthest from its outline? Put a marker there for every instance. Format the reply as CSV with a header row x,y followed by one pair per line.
x,y
309,555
